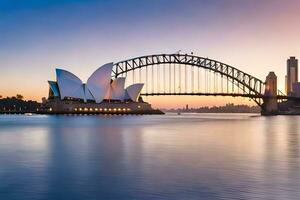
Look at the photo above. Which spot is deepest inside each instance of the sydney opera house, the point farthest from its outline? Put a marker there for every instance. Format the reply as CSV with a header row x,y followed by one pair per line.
x,y
100,94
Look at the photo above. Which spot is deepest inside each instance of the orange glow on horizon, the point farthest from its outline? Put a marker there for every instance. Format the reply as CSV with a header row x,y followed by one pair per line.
x,y
177,101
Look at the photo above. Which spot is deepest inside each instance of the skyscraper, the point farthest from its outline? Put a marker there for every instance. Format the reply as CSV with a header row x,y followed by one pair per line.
x,y
292,74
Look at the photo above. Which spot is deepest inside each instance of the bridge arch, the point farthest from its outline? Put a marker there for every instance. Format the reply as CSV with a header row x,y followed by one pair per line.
x,y
250,86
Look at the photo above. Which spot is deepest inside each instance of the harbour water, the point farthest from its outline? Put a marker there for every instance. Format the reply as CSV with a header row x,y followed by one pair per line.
x,y
188,156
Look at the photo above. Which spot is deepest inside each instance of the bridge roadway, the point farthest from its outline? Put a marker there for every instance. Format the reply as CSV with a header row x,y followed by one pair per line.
x,y
261,96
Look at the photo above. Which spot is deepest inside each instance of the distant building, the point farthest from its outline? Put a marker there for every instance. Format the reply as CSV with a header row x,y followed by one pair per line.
x,y
296,89
292,74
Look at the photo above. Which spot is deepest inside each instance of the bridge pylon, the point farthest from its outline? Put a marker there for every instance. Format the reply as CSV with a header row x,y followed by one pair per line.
x,y
270,103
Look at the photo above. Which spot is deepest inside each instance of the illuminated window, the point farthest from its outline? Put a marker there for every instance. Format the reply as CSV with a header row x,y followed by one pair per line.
x,y
50,109
86,109
139,106
80,109
128,109
119,109
96,109
109,109
124,109
100,109
75,109
91,109
115,109
105,109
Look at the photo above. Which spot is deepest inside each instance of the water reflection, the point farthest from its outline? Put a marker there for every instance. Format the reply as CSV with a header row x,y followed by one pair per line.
x,y
149,157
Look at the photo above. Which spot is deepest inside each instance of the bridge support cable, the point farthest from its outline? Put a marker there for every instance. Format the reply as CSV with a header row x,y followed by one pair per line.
x,y
152,79
158,78
206,81
133,81
227,87
209,81
170,77
232,86
199,78
147,84
179,84
238,87
126,71
140,74
174,77
215,83
185,78
192,72
222,81
164,78
211,76
244,84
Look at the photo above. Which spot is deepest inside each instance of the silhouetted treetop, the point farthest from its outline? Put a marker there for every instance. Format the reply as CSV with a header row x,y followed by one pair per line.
x,y
19,96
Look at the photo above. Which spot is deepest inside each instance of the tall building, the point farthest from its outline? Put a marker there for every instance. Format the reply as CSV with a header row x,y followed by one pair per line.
x,y
292,74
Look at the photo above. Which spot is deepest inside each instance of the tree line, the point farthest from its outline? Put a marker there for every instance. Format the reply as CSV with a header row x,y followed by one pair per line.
x,y
228,108
17,104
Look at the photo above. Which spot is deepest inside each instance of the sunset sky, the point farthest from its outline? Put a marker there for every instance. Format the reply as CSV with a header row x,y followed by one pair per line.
x,y
256,36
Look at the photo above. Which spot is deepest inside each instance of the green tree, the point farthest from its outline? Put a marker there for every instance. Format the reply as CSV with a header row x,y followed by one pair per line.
x,y
19,96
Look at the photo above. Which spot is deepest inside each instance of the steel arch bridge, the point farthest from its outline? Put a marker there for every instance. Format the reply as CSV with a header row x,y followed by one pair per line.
x,y
184,74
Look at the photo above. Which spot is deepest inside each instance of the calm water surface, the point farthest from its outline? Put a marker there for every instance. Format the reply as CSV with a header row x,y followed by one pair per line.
x,y
195,156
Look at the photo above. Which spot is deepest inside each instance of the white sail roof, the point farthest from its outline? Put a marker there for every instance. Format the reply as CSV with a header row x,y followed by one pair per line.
x,y
69,85
87,94
107,95
117,89
99,82
54,88
134,91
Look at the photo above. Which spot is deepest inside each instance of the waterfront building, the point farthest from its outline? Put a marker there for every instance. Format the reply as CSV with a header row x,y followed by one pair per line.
x,y
99,87
292,74
296,89
100,94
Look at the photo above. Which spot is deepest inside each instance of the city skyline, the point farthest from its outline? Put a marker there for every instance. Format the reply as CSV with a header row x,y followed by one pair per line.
x,y
257,37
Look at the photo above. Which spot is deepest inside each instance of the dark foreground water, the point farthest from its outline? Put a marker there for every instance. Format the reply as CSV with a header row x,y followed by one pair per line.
x,y
182,157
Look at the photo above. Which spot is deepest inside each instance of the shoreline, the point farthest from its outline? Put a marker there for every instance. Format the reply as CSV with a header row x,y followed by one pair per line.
x,y
150,112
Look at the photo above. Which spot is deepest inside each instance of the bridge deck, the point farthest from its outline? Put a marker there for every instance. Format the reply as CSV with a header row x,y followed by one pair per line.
x,y
219,94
